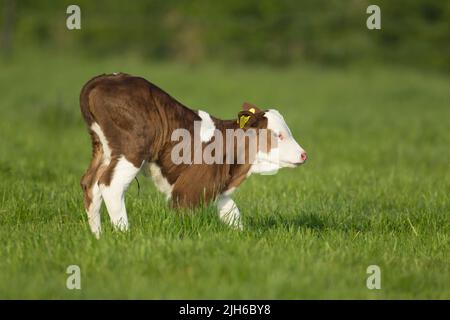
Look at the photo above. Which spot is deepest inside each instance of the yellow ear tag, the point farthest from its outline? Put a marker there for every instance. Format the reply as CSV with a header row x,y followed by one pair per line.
x,y
252,110
243,120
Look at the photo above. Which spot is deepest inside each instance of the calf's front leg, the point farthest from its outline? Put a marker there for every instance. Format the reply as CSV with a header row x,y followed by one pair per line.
x,y
229,212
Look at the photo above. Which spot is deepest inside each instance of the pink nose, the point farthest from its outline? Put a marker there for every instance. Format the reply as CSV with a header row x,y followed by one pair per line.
x,y
303,156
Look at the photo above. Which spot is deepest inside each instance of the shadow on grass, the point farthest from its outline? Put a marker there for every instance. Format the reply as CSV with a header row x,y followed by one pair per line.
x,y
278,221
306,221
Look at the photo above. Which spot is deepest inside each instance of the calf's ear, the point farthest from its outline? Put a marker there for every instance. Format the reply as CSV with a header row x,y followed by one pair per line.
x,y
250,107
249,115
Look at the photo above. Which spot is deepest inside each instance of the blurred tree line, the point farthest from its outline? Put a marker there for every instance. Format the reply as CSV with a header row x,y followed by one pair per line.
x,y
414,32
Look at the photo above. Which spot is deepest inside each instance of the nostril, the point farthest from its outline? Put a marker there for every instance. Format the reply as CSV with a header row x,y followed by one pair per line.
x,y
303,156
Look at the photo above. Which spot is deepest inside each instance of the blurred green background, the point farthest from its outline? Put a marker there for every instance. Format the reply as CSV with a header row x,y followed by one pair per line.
x,y
332,32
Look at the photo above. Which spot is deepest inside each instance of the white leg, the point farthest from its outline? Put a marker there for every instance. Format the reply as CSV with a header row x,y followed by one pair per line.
x,y
229,212
114,194
93,211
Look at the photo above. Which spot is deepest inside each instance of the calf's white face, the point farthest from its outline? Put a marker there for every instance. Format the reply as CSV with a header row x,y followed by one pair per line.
x,y
285,153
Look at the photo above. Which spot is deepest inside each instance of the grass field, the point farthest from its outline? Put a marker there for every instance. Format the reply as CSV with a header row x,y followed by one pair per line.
x,y
375,189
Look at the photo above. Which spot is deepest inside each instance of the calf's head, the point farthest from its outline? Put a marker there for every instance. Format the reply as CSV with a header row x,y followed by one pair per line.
x,y
280,149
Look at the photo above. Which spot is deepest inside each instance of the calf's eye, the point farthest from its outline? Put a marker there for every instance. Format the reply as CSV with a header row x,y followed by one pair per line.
x,y
280,136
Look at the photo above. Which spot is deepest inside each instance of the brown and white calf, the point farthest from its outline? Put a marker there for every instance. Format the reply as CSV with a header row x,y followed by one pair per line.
x,y
132,124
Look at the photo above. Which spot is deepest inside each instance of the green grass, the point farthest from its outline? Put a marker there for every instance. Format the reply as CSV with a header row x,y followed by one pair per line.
x,y
374,191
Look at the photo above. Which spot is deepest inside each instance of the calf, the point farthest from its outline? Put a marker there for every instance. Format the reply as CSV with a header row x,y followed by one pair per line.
x,y
134,125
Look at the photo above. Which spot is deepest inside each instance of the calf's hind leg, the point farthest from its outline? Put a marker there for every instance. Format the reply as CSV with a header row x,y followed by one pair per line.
x,y
89,184
113,184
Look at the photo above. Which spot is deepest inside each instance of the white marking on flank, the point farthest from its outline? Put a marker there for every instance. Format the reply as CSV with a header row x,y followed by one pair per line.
x,y
207,126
